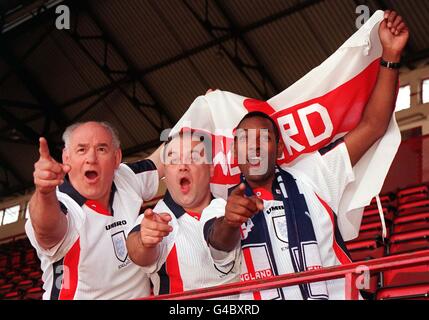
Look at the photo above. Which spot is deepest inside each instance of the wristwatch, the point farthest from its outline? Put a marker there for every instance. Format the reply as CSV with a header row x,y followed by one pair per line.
x,y
389,64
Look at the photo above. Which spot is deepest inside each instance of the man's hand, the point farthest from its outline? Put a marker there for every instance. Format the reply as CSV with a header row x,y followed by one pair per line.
x,y
394,35
225,232
240,208
48,173
154,227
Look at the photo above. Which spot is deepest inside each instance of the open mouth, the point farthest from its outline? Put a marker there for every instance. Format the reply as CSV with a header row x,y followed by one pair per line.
x,y
91,175
254,160
185,185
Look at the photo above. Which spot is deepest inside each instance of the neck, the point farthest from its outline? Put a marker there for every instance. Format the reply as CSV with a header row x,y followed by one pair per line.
x,y
266,184
104,201
201,205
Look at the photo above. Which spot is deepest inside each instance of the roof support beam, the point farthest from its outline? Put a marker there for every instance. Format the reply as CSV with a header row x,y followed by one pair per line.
x,y
32,85
20,104
249,48
29,133
132,69
5,164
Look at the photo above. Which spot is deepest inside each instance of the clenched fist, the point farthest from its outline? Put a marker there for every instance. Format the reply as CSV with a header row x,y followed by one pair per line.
x,y
394,35
48,173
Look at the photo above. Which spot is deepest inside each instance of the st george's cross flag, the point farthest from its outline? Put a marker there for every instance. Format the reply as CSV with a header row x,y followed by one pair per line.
x,y
316,110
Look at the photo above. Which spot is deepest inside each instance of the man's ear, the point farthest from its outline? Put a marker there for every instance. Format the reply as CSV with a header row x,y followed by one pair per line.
x,y
118,157
211,170
66,156
280,148
234,150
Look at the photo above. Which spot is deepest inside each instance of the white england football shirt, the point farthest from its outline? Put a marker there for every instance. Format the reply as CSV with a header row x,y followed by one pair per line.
x,y
321,177
184,262
91,261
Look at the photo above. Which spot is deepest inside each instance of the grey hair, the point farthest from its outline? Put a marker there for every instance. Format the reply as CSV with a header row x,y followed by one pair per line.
x,y
112,130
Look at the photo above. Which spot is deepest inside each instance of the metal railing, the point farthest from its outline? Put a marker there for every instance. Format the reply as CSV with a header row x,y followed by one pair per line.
x,y
351,272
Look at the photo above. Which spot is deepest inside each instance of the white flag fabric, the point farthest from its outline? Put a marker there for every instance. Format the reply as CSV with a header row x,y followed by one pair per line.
x,y
317,109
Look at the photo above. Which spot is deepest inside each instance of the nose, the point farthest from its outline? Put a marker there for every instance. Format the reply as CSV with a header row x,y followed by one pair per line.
x,y
183,167
91,156
254,150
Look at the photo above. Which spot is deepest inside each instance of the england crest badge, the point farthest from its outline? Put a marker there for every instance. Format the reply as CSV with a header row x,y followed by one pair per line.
x,y
119,244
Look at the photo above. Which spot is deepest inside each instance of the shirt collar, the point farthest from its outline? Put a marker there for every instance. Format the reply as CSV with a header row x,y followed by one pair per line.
x,y
68,189
177,209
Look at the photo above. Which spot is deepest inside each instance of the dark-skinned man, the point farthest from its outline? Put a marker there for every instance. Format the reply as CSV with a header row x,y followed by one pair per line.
x,y
296,230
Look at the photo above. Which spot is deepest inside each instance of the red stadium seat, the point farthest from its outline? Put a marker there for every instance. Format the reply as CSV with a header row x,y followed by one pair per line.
x,y
414,292
423,189
10,274
16,279
35,275
373,230
26,270
372,215
408,275
30,256
384,199
6,288
412,198
366,249
3,261
24,284
409,241
14,295
413,207
34,294
411,222
16,259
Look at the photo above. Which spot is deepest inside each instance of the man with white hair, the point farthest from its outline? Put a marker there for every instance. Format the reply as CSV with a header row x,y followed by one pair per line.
x,y
78,224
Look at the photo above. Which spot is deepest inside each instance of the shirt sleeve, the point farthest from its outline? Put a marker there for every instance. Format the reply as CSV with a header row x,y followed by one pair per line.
x,y
146,175
224,261
75,220
328,171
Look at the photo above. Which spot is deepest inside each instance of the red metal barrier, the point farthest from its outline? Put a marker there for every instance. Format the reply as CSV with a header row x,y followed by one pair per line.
x,y
350,272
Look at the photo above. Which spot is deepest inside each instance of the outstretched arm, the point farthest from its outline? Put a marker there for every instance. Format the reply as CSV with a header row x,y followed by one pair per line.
x,y
375,120
225,232
143,245
49,223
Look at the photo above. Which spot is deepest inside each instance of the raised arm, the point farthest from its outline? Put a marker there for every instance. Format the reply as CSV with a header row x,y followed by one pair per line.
x,y
49,223
157,160
375,120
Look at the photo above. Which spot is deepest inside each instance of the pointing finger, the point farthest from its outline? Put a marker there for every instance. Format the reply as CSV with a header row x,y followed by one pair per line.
x,y
165,217
43,148
239,191
149,214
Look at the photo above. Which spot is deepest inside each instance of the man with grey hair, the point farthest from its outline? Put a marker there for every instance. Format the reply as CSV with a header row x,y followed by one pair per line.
x,y
81,211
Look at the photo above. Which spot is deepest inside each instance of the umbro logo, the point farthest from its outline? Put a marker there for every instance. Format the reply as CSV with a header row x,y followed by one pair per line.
x,y
116,224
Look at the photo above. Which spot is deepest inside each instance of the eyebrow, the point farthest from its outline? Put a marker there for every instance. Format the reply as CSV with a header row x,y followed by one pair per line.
x,y
103,144
171,152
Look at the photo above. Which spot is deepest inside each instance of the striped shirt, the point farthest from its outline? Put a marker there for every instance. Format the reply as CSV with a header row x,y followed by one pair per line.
x,y
184,262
